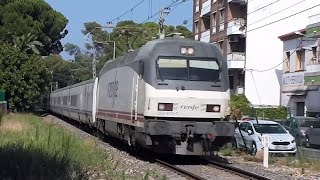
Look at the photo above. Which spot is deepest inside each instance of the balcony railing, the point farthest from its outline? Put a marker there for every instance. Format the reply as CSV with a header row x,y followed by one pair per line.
x,y
196,37
237,1
205,36
236,60
312,68
197,8
206,7
234,26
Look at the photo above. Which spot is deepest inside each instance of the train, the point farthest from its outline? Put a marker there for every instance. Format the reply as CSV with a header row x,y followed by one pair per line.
x,y
171,96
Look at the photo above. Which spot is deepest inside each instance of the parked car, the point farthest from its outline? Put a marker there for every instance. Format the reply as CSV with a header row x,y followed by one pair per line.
x,y
302,125
313,134
250,137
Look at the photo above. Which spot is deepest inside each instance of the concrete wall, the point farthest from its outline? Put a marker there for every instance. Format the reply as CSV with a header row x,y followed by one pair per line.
x,y
265,50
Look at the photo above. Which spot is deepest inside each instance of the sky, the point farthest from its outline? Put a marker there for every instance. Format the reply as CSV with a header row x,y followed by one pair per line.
x,y
102,11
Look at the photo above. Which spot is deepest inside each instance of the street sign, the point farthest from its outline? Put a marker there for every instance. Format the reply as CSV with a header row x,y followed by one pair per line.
x,y
265,140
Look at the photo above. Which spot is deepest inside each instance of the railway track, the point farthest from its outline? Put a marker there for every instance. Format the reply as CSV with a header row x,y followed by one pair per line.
x,y
235,170
188,174
179,171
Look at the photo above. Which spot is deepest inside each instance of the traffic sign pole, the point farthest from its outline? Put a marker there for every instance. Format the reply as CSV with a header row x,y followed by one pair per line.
x,y
265,139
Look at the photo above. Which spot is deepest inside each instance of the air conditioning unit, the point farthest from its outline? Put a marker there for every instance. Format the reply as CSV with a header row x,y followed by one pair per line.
x,y
233,39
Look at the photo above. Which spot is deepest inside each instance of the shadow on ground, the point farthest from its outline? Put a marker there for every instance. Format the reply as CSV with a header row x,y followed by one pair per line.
x,y
16,162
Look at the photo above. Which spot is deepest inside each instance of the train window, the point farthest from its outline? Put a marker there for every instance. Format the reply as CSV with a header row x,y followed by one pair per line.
x,y
202,70
74,100
65,100
172,69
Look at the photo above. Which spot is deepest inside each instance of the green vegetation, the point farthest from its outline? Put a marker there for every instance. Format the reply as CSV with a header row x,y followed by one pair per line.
x,y
31,148
22,76
28,22
240,106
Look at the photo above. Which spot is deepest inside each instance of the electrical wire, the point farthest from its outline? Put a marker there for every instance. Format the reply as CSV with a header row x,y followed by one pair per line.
x,y
128,11
279,63
263,7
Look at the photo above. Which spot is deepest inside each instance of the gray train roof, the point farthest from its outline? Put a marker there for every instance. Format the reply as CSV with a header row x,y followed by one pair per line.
x,y
145,51
74,85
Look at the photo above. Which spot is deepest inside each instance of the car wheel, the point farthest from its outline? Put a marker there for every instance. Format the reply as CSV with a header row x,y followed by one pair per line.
x,y
253,149
307,141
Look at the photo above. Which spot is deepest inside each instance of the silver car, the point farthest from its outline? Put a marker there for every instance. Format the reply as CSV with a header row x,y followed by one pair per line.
x,y
313,134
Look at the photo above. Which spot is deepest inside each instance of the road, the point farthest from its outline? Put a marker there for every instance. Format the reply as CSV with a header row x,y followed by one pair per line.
x,y
310,153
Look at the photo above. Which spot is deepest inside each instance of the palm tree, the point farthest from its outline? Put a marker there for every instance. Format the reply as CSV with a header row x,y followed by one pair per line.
x,y
27,43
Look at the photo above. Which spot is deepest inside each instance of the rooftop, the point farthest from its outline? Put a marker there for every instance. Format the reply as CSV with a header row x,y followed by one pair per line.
x,y
292,35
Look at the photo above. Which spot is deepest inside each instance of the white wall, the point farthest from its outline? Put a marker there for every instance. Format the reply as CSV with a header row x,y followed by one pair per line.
x,y
265,49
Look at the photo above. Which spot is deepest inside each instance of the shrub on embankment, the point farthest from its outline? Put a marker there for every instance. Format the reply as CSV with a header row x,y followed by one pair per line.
x,y
34,149
240,106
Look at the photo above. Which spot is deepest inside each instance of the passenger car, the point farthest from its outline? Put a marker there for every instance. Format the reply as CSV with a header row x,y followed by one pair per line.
x,y
313,134
250,136
303,124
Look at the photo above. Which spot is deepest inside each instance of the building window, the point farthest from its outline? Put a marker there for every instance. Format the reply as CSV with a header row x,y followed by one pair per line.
x,y
197,2
206,22
196,27
314,55
287,63
231,83
300,60
214,1
214,23
222,14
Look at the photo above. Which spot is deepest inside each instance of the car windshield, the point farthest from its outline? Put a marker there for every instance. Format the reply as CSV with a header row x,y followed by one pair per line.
x,y
188,70
305,122
269,129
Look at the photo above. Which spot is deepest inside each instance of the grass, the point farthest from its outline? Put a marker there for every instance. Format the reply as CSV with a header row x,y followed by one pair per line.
x,y
31,148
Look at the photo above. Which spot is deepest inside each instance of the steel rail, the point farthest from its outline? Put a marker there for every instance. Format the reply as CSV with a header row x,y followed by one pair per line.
x,y
235,170
180,171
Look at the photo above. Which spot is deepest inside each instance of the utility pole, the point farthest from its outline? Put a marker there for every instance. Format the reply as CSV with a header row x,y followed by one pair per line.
x,y
94,68
164,12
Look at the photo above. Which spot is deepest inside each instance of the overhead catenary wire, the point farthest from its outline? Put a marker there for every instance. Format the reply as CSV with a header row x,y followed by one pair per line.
x,y
287,58
128,11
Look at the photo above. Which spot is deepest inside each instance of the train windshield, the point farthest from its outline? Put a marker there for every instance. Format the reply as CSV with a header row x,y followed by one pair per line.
x,y
188,69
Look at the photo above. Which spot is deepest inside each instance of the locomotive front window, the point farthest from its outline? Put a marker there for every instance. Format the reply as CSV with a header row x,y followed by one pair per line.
x,y
201,69
172,69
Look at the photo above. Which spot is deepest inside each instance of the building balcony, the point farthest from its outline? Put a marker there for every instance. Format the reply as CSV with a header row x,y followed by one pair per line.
x,y
205,36
206,8
313,68
197,9
236,60
234,26
196,37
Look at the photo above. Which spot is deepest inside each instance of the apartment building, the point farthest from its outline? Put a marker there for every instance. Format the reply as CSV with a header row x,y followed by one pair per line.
x,y
222,22
300,76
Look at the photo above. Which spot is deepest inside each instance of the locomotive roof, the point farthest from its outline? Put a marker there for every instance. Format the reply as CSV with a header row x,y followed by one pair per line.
x,y
145,51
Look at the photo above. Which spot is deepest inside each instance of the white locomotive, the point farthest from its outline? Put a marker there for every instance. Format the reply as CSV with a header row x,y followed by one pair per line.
x,y
171,96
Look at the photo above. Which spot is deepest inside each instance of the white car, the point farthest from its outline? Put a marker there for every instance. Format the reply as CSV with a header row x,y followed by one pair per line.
x,y
281,140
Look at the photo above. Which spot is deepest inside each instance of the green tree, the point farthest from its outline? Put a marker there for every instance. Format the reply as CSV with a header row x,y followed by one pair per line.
x,y
61,71
19,18
128,35
240,105
22,76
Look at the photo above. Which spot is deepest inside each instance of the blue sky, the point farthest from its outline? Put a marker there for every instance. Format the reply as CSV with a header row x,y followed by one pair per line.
x,y
102,11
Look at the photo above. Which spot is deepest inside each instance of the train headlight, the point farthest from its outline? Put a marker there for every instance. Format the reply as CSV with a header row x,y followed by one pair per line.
x,y
183,50
187,50
190,51
213,108
165,107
